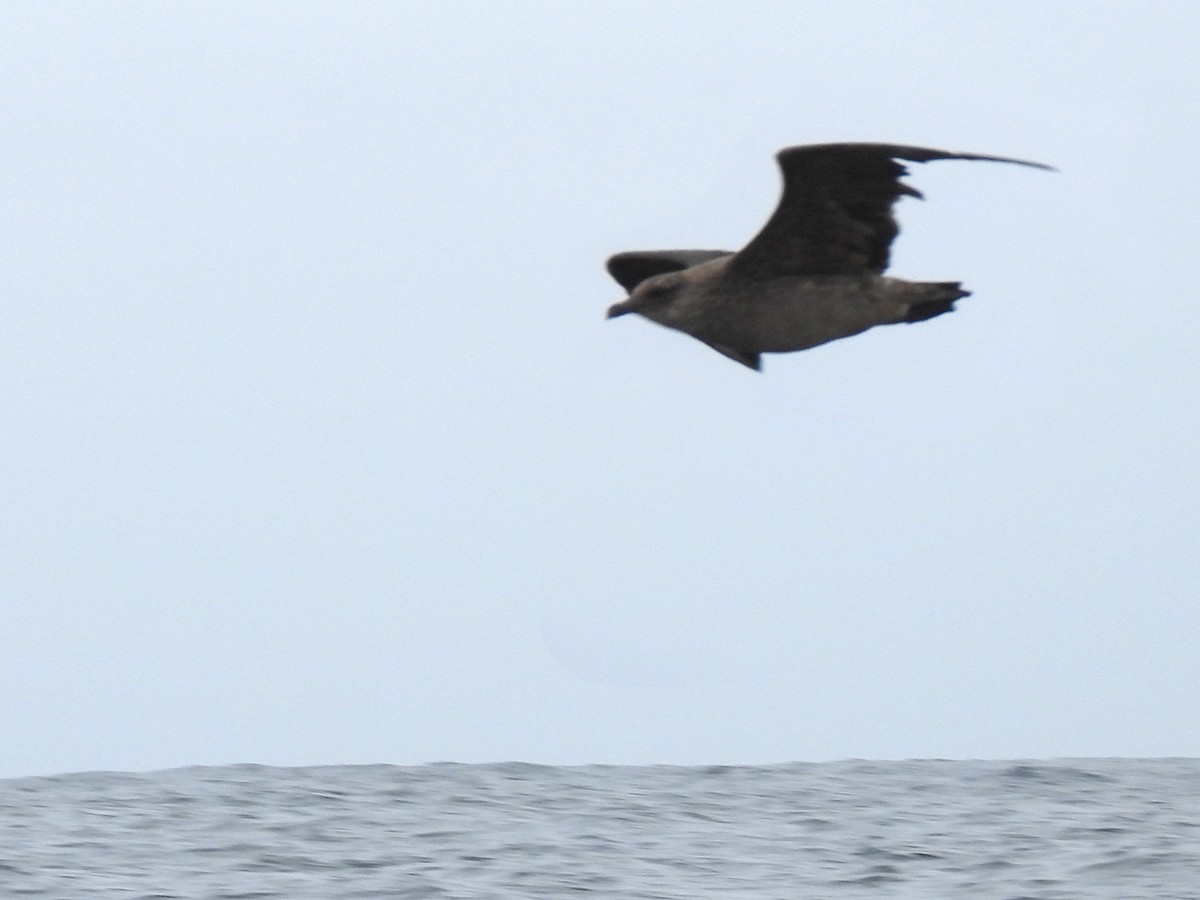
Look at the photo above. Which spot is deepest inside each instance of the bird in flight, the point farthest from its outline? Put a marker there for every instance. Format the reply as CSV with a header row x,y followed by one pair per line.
x,y
813,274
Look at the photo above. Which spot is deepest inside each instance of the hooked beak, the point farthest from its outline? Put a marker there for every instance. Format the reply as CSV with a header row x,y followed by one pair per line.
x,y
620,309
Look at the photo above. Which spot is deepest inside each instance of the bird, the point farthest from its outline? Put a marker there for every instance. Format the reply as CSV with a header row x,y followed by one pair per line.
x,y
812,274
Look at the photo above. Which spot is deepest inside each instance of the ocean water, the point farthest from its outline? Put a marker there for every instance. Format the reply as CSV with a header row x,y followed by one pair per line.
x,y
1093,828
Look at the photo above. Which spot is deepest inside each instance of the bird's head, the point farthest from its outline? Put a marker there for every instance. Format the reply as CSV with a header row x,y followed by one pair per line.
x,y
654,295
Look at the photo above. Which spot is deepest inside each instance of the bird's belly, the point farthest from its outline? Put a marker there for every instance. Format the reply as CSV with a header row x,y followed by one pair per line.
x,y
795,314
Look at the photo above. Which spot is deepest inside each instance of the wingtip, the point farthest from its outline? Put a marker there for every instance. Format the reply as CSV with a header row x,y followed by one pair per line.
x,y
909,152
979,157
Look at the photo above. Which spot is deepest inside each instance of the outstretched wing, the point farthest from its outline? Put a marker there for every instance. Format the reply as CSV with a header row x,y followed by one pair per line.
x,y
632,268
835,215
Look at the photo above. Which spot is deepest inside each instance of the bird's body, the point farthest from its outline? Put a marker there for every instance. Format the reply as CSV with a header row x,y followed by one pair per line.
x,y
814,272
742,319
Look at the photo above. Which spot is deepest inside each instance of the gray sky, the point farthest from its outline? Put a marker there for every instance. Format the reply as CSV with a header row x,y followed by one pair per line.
x,y
318,448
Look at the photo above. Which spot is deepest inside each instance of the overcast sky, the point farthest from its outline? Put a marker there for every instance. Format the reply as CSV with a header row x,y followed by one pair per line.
x,y
317,448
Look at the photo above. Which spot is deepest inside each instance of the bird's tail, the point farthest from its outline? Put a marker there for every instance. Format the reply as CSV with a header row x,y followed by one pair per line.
x,y
937,297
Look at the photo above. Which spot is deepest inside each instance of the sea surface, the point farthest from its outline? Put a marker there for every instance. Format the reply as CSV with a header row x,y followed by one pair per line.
x,y
1089,828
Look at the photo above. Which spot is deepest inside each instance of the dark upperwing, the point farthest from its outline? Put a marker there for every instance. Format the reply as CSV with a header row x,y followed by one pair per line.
x,y
632,268
835,215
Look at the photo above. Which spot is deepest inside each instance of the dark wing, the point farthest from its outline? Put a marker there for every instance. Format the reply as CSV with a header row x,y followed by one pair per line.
x,y
632,268
835,215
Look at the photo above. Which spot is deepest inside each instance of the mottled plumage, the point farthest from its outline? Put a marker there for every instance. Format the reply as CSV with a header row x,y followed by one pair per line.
x,y
813,274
